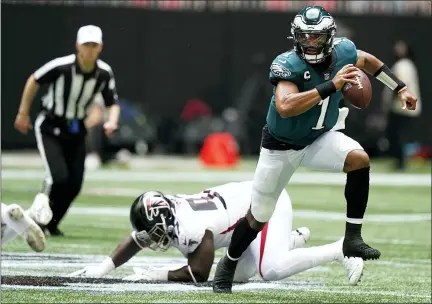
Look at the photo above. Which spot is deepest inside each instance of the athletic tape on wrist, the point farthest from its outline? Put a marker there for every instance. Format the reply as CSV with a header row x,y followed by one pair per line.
x,y
386,76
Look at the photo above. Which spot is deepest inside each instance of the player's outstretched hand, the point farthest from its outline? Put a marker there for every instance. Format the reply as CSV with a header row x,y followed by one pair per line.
x,y
346,74
89,272
150,274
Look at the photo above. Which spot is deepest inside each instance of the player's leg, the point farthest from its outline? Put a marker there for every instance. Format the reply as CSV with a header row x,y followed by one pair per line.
x,y
276,258
56,174
335,151
246,268
16,222
76,154
274,169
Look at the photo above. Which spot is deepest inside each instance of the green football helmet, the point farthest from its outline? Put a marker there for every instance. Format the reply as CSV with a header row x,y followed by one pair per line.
x,y
313,30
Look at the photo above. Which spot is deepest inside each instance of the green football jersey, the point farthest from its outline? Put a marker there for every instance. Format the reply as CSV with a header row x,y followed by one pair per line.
x,y
303,129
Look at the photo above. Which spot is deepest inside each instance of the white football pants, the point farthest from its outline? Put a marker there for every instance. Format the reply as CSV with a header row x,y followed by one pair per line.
x,y
275,168
273,254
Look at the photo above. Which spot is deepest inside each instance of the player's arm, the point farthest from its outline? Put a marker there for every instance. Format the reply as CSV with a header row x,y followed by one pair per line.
x,y
30,90
380,71
110,97
199,262
96,112
45,74
125,250
290,102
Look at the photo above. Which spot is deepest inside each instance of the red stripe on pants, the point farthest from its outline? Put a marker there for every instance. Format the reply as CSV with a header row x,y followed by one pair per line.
x,y
262,246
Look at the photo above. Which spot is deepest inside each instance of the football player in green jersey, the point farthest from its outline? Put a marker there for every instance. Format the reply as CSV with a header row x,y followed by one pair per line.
x,y
302,123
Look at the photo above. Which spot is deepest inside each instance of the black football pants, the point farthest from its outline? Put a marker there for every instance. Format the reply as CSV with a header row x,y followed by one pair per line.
x,y
398,130
64,160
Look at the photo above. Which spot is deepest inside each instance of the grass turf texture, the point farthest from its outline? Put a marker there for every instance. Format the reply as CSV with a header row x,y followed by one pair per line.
x,y
401,275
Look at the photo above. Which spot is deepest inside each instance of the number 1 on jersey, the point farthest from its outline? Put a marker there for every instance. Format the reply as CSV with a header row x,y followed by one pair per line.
x,y
324,105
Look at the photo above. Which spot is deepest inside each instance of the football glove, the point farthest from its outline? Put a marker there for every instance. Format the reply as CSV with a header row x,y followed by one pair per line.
x,y
149,274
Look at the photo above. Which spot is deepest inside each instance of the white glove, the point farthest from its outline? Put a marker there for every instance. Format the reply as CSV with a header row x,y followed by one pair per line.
x,y
149,274
97,271
89,272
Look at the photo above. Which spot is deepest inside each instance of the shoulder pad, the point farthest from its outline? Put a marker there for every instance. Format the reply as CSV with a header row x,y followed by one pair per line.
x,y
286,66
347,48
343,42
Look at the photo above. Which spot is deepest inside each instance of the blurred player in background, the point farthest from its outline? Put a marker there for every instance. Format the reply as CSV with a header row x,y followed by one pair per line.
x,y
301,130
15,221
73,82
400,121
100,150
199,224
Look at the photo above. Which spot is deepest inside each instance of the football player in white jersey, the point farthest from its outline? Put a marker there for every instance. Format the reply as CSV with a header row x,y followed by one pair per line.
x,y
15,221
199,224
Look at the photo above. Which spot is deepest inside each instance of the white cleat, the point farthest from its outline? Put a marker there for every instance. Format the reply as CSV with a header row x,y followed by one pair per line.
x,y
300,237
353,265
33,234
40,211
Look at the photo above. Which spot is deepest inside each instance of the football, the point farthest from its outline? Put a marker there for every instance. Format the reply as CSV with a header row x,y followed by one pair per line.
x,y
358,95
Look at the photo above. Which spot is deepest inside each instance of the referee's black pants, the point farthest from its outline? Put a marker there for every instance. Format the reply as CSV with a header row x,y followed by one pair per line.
x,y
398,130
63,155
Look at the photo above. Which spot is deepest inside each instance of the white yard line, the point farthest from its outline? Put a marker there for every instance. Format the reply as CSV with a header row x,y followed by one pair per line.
x,y
377,179
42,264
322,215
299,213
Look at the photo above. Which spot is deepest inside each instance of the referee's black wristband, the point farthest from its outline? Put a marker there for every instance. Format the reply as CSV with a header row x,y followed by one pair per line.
x,y
326,89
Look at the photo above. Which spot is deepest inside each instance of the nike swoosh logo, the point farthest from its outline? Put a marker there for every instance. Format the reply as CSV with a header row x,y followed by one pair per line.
x,y
282,61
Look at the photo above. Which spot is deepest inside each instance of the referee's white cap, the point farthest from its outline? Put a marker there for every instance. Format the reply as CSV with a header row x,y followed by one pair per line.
x,y
89,33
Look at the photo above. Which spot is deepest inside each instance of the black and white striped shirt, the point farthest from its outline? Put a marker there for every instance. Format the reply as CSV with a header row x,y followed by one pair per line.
x,y
71,91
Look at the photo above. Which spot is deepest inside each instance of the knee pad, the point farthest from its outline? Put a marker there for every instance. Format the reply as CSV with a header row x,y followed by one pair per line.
x,y
262,207
272,173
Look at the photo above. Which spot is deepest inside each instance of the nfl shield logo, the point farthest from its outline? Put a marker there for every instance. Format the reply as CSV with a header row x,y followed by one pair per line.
x,y
326,76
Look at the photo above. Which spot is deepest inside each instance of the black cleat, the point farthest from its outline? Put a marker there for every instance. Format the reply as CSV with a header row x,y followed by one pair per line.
x,y
224,276
51,231
356,247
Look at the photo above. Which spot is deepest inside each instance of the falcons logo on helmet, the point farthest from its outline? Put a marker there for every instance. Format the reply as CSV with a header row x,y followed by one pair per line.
x,y
152,206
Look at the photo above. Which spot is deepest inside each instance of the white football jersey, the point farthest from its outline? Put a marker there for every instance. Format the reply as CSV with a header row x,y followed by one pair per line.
x,y
217,209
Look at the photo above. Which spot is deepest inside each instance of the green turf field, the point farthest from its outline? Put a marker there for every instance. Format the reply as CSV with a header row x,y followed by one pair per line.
x,y
398,223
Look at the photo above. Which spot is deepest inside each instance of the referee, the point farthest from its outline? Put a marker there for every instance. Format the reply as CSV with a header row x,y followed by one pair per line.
x,y
73,81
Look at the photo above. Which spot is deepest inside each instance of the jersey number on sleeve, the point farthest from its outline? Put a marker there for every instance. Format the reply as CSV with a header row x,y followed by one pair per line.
x,y
201,202
324,105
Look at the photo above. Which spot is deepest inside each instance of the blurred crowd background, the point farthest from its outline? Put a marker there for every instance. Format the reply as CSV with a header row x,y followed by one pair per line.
x,y
186,70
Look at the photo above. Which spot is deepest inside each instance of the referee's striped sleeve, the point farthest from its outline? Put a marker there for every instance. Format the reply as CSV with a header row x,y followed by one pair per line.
x,y
109,91
49,71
